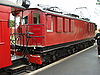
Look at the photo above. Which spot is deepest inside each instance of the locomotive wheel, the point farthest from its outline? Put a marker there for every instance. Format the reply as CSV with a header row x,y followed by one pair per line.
x,y
33,67
86,44
69,51
81,46
53,57
91,43
73,49
78,47
56,55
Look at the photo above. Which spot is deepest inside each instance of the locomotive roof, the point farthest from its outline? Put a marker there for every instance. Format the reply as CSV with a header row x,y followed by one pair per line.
x,y
11,4
59,14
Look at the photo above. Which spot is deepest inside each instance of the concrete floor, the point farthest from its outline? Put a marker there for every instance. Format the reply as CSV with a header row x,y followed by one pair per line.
x,y
86,63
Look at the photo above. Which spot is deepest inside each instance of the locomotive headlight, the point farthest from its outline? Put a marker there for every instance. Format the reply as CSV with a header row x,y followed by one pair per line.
x,y
24,3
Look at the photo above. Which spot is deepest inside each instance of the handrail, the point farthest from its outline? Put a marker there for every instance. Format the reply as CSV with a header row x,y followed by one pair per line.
x,y
1,43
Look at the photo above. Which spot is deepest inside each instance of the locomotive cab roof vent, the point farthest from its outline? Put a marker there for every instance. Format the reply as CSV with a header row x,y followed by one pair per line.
x,y
54,9
87,19
72,15
24,3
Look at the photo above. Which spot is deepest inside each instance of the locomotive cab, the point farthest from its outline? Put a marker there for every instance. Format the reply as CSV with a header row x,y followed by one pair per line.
x,y
29,34
32,25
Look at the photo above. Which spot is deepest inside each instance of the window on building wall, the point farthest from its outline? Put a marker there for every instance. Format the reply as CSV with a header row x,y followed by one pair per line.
x,y
59,24
50,23
25,20
36,18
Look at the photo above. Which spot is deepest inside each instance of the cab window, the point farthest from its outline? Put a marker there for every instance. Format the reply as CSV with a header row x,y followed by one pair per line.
x,y
36,18
25,20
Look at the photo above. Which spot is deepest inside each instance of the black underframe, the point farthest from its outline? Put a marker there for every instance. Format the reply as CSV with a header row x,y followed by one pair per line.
x,y
53,47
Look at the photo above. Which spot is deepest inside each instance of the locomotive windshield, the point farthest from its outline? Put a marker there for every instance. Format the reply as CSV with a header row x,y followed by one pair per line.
x,y
36,18
25,20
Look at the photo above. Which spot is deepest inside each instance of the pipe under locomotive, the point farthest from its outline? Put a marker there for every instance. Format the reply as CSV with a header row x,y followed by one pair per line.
x,y
44,36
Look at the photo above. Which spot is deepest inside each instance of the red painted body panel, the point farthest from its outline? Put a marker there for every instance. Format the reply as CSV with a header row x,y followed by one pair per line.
x,y
62,30
37,36
34,59
5,59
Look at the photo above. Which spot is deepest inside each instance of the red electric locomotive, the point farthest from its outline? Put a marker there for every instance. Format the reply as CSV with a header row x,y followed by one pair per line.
x,y
47,35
